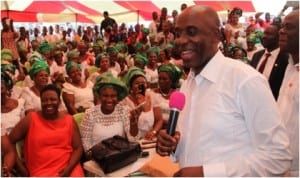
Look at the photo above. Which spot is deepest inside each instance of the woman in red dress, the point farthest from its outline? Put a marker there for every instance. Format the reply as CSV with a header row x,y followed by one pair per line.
x,y
52,144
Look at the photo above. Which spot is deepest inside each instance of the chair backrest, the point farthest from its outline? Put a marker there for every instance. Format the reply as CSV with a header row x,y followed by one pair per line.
x,y
78,118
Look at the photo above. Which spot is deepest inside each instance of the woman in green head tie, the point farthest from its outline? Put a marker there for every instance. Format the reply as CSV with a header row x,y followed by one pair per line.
x,y
108,118
39,74
103,63
151,67
146,115
7,65
77,93
140,61
168,81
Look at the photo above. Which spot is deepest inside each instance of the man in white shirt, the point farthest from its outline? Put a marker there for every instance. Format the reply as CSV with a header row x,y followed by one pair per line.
x,y
288,100
230,125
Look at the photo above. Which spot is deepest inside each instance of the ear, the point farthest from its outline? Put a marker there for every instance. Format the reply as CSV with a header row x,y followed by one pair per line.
x,y
217,36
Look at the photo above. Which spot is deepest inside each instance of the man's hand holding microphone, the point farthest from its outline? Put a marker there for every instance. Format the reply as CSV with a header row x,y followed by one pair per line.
x,y
167,140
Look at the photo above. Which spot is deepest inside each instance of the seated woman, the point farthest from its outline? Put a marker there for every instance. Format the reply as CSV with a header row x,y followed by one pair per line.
x,y
78,94
12,110
52,144
39,73
108,118
102,62
151,67
168,81
147,115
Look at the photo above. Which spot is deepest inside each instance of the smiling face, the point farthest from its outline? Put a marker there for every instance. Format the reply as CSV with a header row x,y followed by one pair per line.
x,y
41,78
108,98
50,103
75,74
197,40
136,83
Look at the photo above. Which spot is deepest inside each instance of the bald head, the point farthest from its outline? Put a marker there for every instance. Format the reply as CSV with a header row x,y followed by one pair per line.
x,y
197,36
204,13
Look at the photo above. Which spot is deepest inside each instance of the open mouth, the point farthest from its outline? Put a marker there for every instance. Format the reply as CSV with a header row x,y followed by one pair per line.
x,y
186,54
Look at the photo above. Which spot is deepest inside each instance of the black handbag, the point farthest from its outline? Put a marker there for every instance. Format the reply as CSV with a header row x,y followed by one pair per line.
x,y
114,153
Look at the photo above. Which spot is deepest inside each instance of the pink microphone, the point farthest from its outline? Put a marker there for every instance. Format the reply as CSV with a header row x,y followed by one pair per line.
x,y
176,104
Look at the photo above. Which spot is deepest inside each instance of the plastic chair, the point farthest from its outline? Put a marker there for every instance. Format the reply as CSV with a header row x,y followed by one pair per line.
x,y
78,118
92,69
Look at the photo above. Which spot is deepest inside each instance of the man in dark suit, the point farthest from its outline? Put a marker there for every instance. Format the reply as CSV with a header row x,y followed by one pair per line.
x,y
271,62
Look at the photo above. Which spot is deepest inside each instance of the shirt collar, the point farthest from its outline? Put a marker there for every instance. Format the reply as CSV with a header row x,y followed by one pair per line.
x,y
291,62
211,71
275,52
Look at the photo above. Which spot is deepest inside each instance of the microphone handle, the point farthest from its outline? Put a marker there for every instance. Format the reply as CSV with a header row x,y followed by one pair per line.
x,y
172,122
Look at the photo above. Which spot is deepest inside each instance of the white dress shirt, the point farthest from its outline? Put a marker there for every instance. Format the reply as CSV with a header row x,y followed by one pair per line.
x,y
288,102
233,127
270,62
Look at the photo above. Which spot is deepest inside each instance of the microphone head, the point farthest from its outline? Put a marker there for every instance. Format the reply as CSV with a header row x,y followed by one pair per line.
x,y
177,100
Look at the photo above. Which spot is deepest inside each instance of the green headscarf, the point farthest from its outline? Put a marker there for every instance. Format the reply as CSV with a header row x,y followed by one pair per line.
x,y
112,49
73,53
99,58
37,67
34,56
7,79
61,44
45,46
133,71
6,56
169,45
251,37
138,46
107,80
8,67
71,64
146,30
153,50
141,58
173,71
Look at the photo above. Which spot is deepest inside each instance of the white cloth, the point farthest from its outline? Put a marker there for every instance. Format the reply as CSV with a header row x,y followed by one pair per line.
x,y
163,103
83,96
11,118
153,28
32,101
151,75
241,40
97,126
270,62
234,127
288,102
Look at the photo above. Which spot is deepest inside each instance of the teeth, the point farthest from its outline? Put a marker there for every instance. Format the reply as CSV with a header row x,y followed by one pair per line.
x,y
186,54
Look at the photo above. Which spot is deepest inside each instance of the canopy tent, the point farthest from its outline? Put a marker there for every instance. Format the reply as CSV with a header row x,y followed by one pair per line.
x,y
88,11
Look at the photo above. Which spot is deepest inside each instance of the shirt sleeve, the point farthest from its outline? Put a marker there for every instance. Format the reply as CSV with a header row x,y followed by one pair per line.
x,y
271,155
86,129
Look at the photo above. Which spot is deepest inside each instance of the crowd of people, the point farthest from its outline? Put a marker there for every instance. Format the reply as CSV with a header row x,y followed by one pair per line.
x,y
120,80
